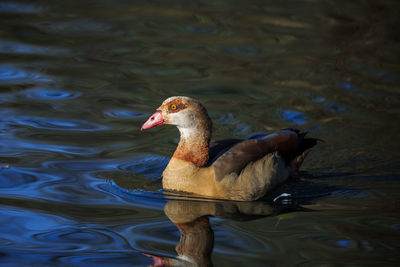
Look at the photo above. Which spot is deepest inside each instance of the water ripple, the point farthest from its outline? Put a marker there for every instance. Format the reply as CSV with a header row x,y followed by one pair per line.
x,y
25,182
9,74
73,239
332,106
122,113
15,146
11,178
9,47
32,233
80,27
230,241
4,98
139,198
150,166
229,120
293,116
106,259
150,235
7,7
243,50
60,124
147,165
196,29
46,94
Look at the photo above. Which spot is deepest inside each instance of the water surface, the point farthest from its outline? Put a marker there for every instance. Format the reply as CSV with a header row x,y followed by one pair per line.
x,y
80,183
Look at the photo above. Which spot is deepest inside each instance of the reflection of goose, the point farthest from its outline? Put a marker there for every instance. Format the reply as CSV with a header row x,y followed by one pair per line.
x,y
197,237
195,245
229,169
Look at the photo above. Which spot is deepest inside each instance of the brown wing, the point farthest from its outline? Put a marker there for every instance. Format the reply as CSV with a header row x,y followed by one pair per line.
x,y
238,156
219,148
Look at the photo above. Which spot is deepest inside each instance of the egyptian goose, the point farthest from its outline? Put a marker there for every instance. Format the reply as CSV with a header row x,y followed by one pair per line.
x,y
230,169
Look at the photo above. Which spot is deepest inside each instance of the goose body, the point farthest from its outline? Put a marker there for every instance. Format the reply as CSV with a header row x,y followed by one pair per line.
x,y
232,169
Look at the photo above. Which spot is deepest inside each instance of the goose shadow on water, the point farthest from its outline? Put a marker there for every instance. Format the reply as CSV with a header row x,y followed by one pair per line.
x,y
192,218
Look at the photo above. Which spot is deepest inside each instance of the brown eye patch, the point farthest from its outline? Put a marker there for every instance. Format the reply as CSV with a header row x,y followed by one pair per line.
x,y
176,106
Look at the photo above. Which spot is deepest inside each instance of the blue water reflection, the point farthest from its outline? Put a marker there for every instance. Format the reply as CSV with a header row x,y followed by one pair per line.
x,y
60,124
9,7
7,46
121,113
11,178
146,165
49,94
138,197
50,235
344,243
15,146
347,86
293,116
228,120
334,107
319,99
10,74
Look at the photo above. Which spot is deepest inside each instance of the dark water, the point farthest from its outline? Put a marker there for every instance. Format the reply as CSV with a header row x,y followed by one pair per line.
x,y
80,184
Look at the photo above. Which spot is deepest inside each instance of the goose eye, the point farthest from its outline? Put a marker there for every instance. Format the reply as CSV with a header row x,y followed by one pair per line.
x,y
173,107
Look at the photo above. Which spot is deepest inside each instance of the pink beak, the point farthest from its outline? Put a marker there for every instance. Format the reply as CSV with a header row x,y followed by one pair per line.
x,y
154,120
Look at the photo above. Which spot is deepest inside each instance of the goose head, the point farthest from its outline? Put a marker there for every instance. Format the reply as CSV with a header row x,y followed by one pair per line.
x,y
186,113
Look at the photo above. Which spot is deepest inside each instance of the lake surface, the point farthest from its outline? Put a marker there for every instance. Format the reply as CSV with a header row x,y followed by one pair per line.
x,y
80,183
